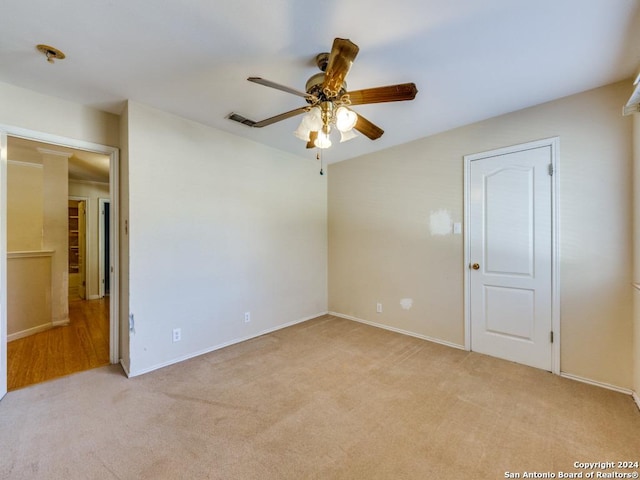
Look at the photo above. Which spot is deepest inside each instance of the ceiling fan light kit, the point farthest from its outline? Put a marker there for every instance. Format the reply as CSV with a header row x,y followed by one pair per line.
x,y
321,118
329,101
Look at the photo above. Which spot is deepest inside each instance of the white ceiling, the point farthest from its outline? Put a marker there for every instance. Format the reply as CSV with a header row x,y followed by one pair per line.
x,y
470,59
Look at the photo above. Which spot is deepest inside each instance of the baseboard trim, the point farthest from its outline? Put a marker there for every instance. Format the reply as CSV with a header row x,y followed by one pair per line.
x,y
136,373
608,386
398,330
124,368
61,323
29,331
636,398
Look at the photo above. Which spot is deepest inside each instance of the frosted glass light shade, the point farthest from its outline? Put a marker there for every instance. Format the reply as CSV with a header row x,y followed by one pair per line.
x,y
311,122
345,119
302,132
348,135
314,119
323,140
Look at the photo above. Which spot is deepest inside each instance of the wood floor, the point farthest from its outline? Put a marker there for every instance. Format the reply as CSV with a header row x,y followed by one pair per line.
x,y
81,345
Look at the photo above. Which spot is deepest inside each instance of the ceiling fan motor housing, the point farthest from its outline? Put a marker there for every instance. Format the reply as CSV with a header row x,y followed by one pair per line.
x,y
322,60
314,87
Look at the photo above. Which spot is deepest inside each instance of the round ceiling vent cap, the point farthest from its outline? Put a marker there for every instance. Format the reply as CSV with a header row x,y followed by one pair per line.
x,y
52,53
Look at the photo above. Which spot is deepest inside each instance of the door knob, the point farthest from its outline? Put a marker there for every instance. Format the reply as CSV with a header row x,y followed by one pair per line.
x,y
476,266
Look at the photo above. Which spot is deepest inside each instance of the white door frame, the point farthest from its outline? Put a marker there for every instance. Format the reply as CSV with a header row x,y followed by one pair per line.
x,y
114,163
3,262
554,144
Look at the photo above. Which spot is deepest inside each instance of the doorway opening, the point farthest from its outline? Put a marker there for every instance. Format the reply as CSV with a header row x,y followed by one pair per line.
x,y
104,248
61,223
77,225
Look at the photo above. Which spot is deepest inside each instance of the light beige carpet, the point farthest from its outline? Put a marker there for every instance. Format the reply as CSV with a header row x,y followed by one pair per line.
x,y
326,399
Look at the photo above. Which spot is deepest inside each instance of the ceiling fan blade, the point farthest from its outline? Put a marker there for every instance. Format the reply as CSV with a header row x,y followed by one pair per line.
x,y
391,93
367,128
312,139
268,121
343,52
277,86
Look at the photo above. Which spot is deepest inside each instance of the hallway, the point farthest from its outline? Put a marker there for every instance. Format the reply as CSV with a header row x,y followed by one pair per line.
x,y
81,345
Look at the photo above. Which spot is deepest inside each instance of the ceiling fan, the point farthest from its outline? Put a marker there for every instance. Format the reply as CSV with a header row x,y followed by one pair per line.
x,y
329,101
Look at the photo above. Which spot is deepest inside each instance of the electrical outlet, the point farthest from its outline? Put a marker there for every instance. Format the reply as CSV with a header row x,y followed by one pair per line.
x,y
177,334
379,307
247,317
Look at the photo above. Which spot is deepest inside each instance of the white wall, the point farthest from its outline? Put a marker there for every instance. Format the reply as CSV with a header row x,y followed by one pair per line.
x,y
42,113
381,249
218,226
123,241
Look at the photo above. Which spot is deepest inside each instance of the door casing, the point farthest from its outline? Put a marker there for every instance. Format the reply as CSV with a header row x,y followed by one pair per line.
x,y
554,144
113,153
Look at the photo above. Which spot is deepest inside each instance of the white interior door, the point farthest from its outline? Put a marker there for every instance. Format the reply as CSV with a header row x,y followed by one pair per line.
x,y
509,236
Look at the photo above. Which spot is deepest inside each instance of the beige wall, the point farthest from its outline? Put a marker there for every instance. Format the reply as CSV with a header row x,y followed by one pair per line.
x,y
29,296
218,226
636,268
56,230
25,202
28,277
381,249
36,220
93,192
636,378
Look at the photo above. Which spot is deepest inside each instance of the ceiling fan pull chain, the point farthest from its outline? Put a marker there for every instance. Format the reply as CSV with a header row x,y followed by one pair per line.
x,y
319,157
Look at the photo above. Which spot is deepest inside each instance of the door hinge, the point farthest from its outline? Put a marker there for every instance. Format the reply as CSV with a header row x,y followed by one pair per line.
x,y
551,169
551,336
